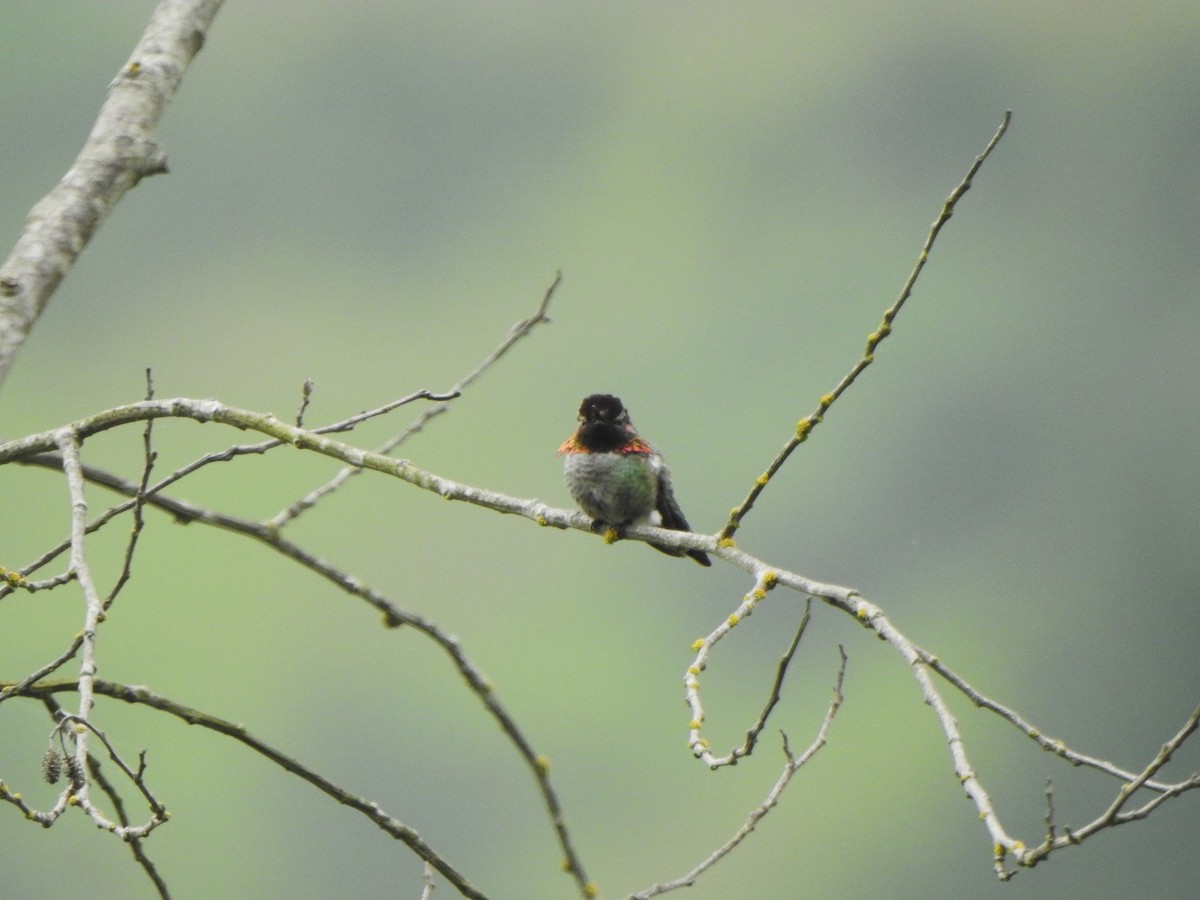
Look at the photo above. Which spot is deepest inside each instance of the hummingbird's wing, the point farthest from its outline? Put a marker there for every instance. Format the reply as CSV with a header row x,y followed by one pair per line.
x,y
667,506
672,516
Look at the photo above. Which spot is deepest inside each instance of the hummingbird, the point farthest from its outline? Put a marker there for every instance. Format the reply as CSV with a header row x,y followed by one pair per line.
x,y
616,477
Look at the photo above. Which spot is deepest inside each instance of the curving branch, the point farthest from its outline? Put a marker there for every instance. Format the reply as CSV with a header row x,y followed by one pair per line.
x,y
283,433
120,151
791,767
921,663
389,824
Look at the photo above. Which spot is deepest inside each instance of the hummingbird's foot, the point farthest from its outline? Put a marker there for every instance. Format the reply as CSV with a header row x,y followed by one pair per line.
x,y
612,533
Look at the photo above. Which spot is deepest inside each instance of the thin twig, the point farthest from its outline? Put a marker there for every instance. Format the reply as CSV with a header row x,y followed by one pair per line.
x,y
96,773
1050,826
1114,814
806,425
518,331
765,580
138,777
428,884
1047,743
41,672
139,500
793,765
777,686
305,396
68,446
392,826
99,476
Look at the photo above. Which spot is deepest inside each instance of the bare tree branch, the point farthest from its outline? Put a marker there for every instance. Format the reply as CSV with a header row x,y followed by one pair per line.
x,y
764,582
806,425
777,685
1114,814
389,824
793,765
119,152
1047,743
518,331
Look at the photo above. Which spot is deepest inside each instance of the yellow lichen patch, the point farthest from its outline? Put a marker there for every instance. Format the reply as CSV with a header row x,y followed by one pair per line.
x,y
694,724
592,889
769,579
611,535
733,620
697,645
543,763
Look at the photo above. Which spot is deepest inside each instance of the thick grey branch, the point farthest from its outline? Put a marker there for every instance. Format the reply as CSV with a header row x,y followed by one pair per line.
x,y
119,152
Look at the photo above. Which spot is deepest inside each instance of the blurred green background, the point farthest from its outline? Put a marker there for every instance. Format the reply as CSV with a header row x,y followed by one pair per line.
x,y
369,195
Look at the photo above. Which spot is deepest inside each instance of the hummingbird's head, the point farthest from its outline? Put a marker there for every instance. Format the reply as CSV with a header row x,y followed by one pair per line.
x,y
602,408
604,423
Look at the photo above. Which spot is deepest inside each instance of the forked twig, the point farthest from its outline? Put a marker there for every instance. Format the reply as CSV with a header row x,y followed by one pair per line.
x,y
389,824
793,765
518,331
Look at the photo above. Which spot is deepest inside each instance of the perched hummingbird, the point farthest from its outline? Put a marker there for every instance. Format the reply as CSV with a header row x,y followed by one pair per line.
x,y
616,477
